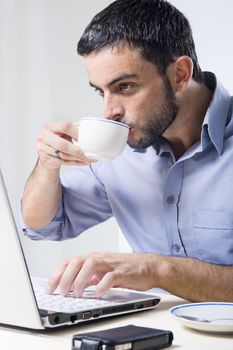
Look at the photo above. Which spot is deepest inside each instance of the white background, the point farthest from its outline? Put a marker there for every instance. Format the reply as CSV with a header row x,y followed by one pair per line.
x,y
42,78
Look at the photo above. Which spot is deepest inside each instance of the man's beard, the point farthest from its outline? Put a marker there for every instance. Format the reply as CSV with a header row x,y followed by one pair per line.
x,y
155,125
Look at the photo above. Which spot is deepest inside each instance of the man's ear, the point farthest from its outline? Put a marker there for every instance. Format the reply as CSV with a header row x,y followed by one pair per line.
x,y
180,73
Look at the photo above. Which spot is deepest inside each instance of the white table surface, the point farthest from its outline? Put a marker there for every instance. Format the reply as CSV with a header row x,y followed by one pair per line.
x,y
184,338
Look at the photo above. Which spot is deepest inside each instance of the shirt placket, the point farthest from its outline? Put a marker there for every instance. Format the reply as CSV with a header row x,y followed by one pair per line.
x,y
172,191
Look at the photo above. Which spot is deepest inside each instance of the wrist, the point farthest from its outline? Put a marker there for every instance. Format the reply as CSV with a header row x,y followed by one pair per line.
x,y
162,271
51,175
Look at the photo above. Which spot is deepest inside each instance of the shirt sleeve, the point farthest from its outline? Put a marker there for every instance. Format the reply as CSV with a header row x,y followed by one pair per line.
x,y
84,204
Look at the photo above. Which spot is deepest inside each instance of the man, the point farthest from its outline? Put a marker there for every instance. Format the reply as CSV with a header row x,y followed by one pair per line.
x,y
170,190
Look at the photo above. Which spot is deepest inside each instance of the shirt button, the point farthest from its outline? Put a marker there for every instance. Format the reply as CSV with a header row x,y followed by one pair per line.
x,y
171,199
176,247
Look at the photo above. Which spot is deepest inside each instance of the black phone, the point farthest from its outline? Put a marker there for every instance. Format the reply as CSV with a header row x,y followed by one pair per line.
x,y
128,337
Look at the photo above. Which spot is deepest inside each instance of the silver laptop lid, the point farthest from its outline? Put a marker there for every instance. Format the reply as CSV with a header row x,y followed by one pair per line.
x,y
17,302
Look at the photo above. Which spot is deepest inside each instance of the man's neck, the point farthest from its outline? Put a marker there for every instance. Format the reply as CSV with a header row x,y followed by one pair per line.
x,y
185,131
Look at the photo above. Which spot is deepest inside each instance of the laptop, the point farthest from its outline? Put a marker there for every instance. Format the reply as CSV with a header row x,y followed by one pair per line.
x,y
23,301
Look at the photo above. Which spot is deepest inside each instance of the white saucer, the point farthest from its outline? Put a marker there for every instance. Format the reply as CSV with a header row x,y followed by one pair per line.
x,y
220,314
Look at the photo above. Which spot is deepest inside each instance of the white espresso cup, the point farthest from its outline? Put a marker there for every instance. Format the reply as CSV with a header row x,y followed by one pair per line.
x,y
101,139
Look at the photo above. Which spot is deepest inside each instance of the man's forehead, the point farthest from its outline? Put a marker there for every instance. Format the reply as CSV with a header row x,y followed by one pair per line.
x,y
109,63
122,54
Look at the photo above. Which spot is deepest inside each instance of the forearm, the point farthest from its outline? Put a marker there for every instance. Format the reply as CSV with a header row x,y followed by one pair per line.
x,y
41,197
195,280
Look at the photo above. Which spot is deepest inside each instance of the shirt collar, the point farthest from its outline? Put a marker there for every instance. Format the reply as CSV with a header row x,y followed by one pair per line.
x,y
216,116
215,119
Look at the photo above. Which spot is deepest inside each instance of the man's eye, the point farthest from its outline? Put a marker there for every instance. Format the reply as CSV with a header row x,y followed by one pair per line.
x,y
100,92
126,86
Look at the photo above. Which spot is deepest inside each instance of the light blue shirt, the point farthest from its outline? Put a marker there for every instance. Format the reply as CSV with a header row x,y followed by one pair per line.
x,y
181,208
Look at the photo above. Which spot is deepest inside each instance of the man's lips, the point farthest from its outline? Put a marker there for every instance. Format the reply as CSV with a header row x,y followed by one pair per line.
x,y
131,128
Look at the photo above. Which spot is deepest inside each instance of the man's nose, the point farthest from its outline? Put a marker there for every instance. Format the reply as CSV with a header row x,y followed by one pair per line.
x,y
113,109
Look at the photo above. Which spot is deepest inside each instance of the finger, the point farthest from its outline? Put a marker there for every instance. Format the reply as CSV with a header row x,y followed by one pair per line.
x,y
61,157
54,280
47,150
62,127
94,280
69,275
109,280
46,157
60,143
49,142
91,267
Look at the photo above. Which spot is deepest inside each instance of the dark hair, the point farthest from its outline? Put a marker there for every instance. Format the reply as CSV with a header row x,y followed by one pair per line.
x,y
155,27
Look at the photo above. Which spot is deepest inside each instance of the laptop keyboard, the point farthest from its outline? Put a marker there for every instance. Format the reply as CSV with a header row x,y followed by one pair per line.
x,y
56,302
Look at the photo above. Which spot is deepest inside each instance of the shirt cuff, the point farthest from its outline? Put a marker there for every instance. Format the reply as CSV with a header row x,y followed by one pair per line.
x,y
53,231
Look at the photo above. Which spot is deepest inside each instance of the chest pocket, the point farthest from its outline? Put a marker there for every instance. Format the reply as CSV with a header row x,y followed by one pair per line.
x,y
213,231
